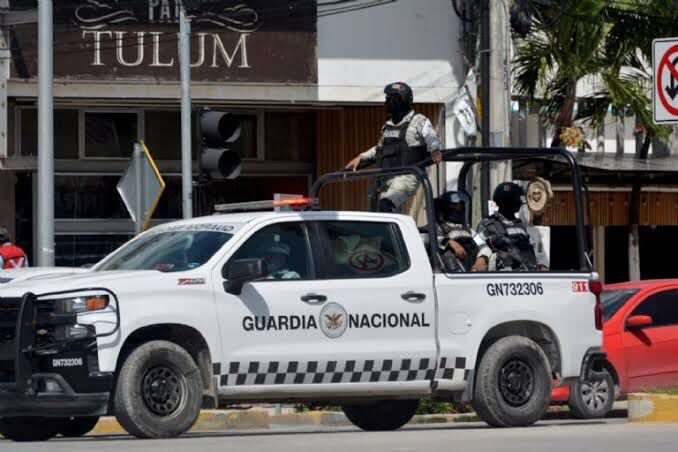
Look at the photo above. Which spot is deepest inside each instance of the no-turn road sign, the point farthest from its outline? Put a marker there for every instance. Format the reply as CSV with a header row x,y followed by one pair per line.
x,y
665,80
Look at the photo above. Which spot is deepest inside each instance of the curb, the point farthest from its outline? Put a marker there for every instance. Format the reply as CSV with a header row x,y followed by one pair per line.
x,y
645,408
264,419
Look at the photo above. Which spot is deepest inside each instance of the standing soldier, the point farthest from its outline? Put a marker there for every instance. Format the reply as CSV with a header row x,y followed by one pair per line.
x,y
11,256
406,138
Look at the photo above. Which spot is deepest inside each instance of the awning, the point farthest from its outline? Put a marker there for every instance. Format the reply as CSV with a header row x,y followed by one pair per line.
x,y
627,163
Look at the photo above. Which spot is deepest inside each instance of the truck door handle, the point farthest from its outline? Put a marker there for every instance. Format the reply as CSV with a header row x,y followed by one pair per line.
x,y
413,296
312,297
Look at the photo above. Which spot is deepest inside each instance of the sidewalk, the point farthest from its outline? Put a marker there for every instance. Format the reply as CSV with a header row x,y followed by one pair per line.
x,y
266,418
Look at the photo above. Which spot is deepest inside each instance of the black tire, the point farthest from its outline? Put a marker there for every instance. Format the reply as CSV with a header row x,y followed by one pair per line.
x,y
591,400
381,416
513,383
159,391
26,429
77,426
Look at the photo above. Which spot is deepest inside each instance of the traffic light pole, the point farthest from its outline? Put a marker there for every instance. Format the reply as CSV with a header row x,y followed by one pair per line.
x,y
45,221
185,69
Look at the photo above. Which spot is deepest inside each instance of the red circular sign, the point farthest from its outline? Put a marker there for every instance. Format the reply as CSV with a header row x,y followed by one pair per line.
x,y
666,61
366,261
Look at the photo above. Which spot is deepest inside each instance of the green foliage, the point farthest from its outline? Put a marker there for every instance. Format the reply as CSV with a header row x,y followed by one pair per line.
x,y
610,41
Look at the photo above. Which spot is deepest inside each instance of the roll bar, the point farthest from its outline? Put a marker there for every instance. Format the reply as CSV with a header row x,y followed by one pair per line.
x,y
470,156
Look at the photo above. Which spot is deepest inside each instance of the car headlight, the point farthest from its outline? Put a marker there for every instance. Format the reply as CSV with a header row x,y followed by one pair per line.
x,y
76,305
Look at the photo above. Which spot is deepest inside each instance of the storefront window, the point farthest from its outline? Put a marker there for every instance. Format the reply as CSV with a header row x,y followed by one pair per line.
x,y
65,133
110,134
290,136
162,134
246,145
77,197
85,249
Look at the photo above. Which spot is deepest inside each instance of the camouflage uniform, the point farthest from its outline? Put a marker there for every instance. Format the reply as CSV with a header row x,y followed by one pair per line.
x,y
419,134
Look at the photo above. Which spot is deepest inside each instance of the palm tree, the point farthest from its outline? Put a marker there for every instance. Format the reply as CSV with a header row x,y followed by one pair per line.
x,y
601,40
608,41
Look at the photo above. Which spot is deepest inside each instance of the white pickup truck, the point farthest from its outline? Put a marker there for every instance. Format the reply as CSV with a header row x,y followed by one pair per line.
x,y
315,305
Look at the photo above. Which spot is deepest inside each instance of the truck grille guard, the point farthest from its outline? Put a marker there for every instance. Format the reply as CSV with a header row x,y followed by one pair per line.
x,y
29,319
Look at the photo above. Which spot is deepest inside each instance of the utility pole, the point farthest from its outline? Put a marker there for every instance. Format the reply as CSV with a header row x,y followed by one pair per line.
x,y
45,220
485,101
185,69
500,89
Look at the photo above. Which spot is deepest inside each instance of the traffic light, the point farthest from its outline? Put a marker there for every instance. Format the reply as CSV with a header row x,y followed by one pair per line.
x,y
218,131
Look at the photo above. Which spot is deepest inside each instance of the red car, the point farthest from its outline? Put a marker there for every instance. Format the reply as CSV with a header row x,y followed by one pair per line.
x,y
640,336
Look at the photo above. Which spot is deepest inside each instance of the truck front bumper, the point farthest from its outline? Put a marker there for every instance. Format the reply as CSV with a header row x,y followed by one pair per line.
x,y
593,365
54,398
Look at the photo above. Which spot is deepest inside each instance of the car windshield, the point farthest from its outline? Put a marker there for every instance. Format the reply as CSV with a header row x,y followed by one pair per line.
x,y
614,299
169,251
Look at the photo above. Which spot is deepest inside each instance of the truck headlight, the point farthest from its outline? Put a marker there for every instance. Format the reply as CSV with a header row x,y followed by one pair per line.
x,y
76,305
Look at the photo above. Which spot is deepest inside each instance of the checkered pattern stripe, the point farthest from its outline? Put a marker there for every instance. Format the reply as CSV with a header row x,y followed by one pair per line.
x,y
453,369
322,372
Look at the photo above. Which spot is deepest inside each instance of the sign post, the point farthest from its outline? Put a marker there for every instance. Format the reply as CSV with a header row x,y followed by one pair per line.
x,y
141,187
665,80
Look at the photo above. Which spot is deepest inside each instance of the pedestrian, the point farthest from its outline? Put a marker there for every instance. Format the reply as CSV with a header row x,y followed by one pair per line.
x,y
11,256
406,138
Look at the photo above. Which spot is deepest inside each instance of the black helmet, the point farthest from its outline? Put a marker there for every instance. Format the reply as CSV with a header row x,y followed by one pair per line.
x,y
401,89
444,208
508,195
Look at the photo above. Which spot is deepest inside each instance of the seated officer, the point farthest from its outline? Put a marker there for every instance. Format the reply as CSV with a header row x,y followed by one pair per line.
x,y
276,257
461,248
505,234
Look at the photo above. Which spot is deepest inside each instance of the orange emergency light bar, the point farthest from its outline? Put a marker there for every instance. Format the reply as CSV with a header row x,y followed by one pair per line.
x,y
278,204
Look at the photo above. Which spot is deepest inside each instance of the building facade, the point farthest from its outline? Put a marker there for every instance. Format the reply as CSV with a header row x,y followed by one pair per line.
x,y
305,80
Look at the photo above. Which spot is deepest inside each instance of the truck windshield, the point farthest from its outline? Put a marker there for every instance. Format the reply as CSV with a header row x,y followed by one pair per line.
x,y
614,299
170,251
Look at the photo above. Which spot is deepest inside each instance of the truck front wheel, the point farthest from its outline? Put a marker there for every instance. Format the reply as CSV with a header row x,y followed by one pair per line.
x,y
513,384
159,391
384,415
28,428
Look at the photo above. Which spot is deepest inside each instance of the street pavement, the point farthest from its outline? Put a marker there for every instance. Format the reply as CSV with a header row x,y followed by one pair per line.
x,y
552,436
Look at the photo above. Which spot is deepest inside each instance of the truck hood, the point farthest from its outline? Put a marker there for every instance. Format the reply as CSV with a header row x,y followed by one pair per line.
x,y
78,280
17,275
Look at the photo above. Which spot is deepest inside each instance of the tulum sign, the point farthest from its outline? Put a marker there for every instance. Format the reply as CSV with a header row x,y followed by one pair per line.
x,y
231,41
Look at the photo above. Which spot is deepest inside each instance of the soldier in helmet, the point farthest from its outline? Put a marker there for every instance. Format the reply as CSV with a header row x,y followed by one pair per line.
x,y
406,138
506,235
461,248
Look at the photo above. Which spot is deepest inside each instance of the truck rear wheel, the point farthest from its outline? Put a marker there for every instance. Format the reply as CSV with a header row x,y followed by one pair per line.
x,y
513,383
385,415
28,428
76,427
159,391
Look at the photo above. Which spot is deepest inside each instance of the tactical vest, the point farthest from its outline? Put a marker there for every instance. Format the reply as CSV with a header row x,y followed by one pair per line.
x,y
463,237
394,150
517,250
13,257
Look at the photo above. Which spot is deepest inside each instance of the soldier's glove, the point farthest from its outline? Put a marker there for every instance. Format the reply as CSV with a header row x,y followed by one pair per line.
x,y
459,250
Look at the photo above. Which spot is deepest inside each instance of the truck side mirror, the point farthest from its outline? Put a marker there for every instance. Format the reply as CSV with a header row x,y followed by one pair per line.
x,y
241,271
